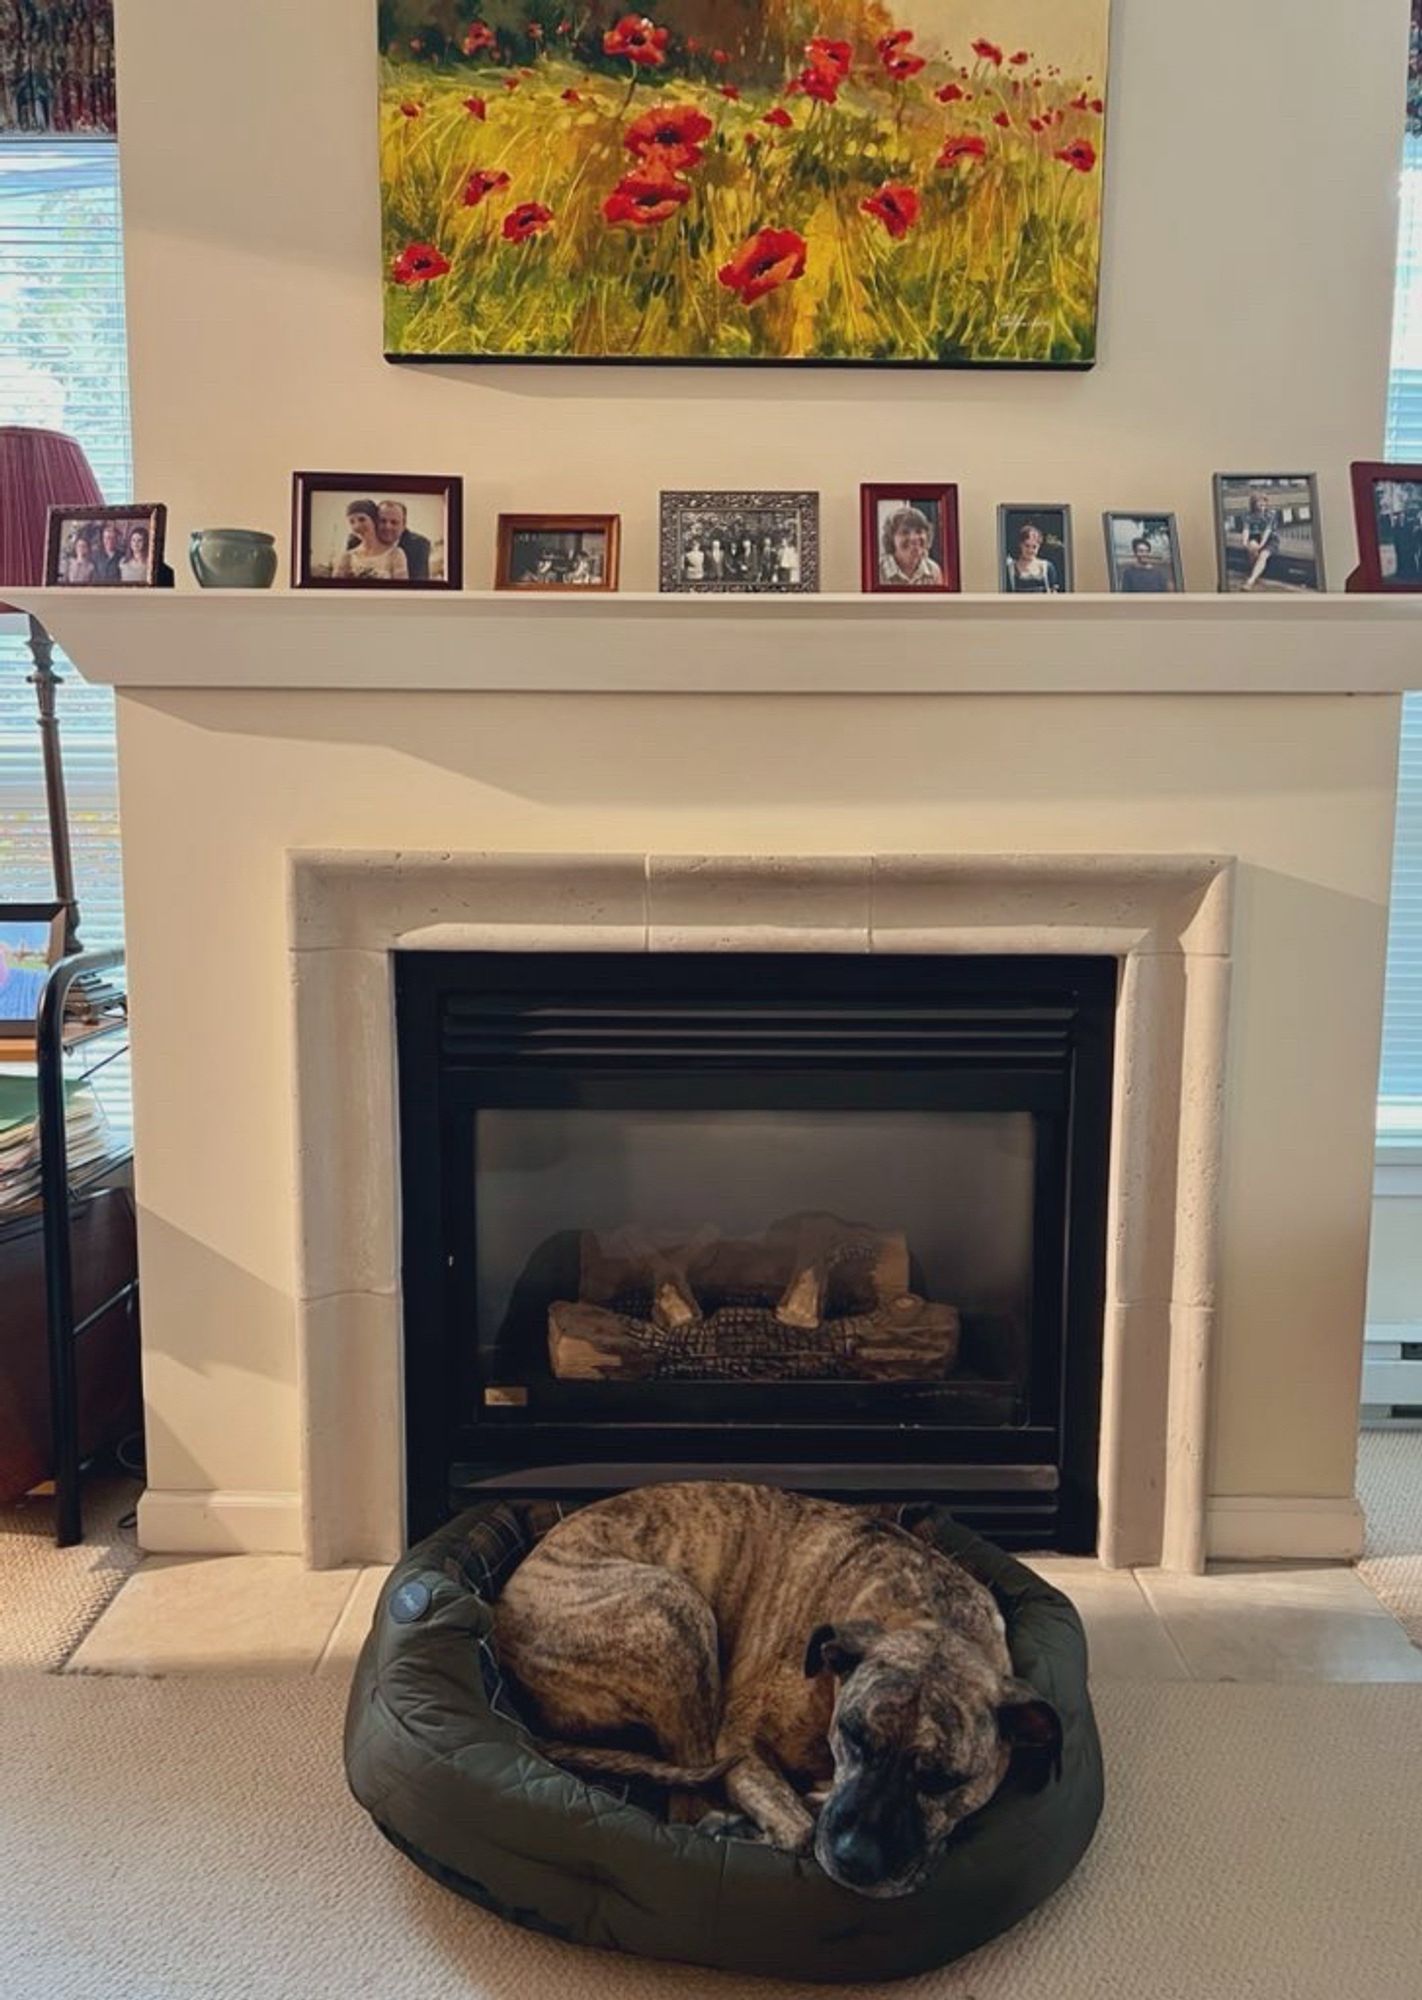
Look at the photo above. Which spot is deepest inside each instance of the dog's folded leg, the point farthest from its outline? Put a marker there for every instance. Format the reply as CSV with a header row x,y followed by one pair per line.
x,y
763,1795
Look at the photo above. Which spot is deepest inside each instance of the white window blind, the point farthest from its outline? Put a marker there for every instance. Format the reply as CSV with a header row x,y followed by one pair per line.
x,y
63,364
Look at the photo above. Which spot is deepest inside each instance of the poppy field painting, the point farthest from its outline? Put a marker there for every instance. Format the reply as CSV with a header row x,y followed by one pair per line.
x,y
870,181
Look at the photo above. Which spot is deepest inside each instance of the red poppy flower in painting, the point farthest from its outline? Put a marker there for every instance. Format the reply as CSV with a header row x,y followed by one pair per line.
x,y
779,117
720,57
896,207
483,181
1079,103
526,220
1038,124
535,32
410,110
572,96
967,147
639,39
645,199
771,259
1022,56
479,37
988,51
476,107
951,93
729,90
829,55
1098,105
821,84
512,82
901,68
418,263
672,133
1080,154
1002,119
887,44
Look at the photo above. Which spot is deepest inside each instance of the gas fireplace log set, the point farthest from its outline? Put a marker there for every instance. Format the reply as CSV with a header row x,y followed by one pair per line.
x,y
813,1297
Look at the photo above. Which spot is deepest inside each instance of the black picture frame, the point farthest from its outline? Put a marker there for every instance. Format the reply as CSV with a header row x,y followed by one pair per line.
x,y
14,1026
378,487
1147,521
1230,489
1012,517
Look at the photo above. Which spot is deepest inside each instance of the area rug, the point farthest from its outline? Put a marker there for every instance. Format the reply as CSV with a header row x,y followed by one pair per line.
x,y
192,1839
50,1597
1390,1488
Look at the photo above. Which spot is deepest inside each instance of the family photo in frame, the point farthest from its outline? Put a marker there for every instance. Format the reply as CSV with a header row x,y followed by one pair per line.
x,y
740,541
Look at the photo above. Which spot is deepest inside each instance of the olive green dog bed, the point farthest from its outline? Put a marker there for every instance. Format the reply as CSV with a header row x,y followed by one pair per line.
x,y
436,1754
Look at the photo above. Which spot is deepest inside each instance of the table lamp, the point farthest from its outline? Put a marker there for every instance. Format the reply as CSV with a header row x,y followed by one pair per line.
x,y
40,469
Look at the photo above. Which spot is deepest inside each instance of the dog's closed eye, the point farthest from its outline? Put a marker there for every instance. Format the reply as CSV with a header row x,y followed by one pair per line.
x,y
937,1784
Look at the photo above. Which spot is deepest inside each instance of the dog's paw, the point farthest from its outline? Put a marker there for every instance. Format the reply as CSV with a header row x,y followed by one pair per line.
x,y
729,1826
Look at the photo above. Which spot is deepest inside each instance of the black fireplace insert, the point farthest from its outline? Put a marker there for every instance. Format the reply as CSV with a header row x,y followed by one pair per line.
x,y
834,1222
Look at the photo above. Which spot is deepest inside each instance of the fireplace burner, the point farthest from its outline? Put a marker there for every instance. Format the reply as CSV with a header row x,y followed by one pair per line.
x,y
833,1221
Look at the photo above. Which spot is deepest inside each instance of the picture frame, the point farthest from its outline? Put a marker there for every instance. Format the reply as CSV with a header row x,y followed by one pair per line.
x,y
1387,511
704,538
1268,532
343,531
1157,573
908,539
729,187
31,943
560,552
1049,570
106,548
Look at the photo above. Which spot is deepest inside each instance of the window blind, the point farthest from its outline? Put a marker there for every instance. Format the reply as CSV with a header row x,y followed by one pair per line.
x,y
63,364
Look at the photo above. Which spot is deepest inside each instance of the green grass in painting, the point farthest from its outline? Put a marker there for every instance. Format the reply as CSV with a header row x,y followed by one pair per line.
x,y
998,265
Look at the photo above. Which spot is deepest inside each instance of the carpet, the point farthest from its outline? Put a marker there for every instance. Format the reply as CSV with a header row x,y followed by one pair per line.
x,y
192,1839
1390,1488
50,1597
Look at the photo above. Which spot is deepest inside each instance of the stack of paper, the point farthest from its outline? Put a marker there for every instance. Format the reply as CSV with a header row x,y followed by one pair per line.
x,y
86,1129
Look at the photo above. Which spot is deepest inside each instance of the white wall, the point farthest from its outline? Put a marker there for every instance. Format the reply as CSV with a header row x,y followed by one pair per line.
x,y
1245,314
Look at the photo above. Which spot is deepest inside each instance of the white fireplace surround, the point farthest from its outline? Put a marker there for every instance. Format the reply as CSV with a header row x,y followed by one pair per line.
x,y
1165,917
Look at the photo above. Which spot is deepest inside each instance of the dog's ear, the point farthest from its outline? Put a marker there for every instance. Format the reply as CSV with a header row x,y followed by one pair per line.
x,y
1029,1723
838,1649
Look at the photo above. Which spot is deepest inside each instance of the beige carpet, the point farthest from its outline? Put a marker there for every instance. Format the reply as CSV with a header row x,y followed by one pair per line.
x,y
193,1840
1390,1488
50,1597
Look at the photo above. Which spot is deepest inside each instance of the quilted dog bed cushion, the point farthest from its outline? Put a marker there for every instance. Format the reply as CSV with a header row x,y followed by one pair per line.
x,y
436,1753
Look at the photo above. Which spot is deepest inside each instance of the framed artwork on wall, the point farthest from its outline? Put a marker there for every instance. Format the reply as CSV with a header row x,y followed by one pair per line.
x,y
743,181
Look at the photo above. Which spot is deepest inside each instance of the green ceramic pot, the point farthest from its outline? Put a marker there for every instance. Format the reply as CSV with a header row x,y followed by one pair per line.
x,y
232,558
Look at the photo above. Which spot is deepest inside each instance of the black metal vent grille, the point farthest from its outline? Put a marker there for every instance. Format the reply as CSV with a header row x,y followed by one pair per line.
x,y
502,1029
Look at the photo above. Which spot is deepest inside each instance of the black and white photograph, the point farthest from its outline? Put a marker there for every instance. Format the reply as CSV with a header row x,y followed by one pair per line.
x,y
740,541
393,531
1397,522
1143,554
1267,531
1034,551
557,552
105,547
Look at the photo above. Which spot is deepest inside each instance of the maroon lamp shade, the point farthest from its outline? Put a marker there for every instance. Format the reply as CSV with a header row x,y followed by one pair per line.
x,y
38,470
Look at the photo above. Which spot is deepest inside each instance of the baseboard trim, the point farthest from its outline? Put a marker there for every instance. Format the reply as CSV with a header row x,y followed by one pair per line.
x,y
218,1523
1243,1528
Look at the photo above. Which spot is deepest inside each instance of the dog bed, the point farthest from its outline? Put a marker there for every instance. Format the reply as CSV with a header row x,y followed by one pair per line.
x,y
436,1753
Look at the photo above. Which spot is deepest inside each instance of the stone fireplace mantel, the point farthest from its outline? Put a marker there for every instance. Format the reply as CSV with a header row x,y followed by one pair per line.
x,y
1203,788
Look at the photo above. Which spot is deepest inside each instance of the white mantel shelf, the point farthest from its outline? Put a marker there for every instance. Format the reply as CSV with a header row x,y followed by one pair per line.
x,y
635,643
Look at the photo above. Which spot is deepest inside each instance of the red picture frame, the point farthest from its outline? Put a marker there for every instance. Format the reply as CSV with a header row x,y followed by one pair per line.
x,y
1380,558
879,505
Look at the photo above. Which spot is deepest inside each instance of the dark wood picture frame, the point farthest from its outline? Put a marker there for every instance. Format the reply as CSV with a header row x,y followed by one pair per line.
x,y
152,514
22,1026
512,525
377,486
1367,476
945,554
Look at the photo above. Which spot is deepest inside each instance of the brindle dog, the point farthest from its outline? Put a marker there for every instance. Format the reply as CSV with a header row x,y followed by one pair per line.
x,y
806,1656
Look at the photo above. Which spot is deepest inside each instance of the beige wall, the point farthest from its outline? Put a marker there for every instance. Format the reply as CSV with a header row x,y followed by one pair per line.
x,y
219,786
1244,318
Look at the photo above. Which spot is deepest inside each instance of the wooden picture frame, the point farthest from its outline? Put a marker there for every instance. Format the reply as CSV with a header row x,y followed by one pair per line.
x,y
115,567
545,552
921,522
42,926
430,553
1387,562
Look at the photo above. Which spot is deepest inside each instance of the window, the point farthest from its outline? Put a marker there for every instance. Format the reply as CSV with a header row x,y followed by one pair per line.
x,y
62,364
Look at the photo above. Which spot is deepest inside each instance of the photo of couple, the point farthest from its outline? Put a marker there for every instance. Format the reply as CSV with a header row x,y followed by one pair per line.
x,y
378,542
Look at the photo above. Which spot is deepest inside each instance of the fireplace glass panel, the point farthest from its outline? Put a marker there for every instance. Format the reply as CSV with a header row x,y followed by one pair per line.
x,y
707,1245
